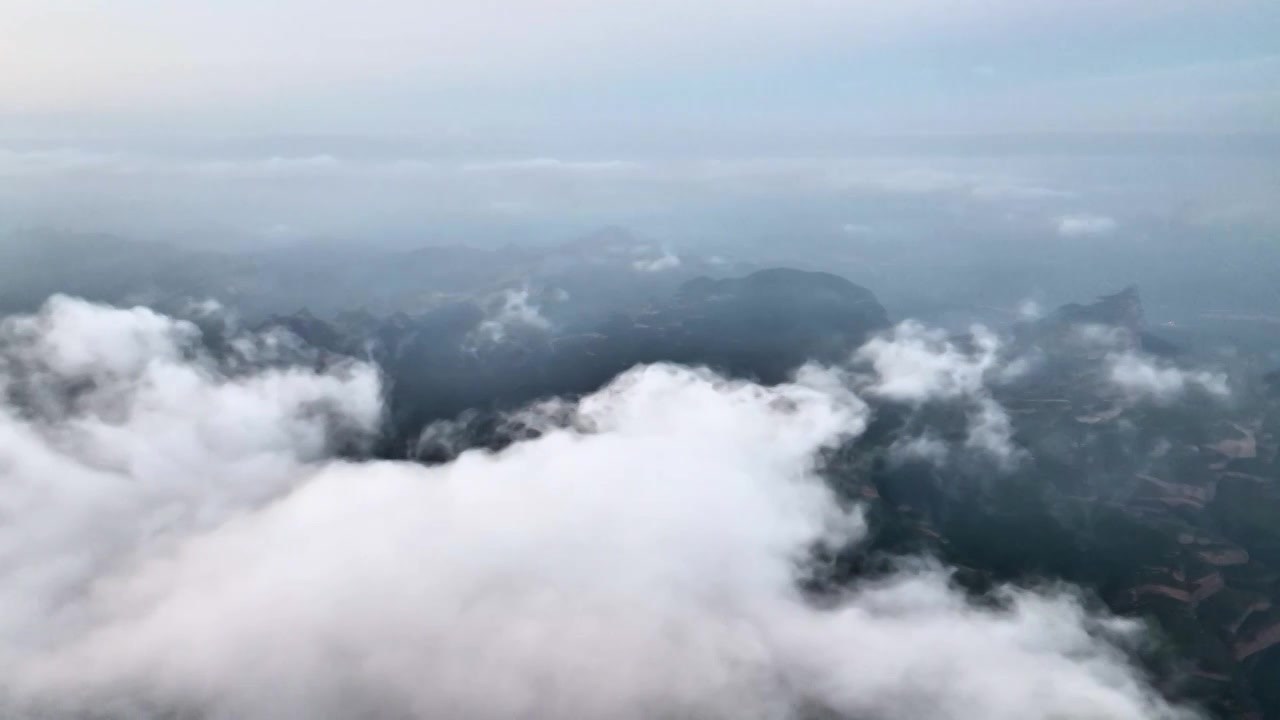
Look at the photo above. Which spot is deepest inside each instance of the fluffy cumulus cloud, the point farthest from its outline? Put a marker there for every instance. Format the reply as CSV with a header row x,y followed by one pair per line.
x,y
179,542
917,366
118,434
1141,377
1085,225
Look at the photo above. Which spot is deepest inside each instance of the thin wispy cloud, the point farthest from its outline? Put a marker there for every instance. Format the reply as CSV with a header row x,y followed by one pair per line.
x,y
1085,225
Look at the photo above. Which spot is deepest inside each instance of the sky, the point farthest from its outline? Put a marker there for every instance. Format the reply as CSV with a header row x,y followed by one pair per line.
x,y
574,75
241,124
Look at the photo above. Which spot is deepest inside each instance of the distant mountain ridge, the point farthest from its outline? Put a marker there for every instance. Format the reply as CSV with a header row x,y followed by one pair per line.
x,y
608,269
761,326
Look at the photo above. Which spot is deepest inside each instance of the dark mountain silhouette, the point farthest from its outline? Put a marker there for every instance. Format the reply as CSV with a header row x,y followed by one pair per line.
x,y
761,327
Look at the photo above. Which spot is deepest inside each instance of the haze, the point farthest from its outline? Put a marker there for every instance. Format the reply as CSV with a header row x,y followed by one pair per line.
x,y
568,359
517,120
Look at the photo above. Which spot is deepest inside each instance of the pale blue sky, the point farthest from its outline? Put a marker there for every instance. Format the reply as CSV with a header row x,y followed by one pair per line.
x,y
624,73
508,120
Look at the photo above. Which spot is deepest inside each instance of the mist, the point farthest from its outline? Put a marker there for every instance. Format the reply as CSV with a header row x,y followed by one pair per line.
x,y
912,145
974,236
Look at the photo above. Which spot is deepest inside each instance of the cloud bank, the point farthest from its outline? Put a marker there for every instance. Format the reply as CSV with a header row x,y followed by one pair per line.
x,y
179,542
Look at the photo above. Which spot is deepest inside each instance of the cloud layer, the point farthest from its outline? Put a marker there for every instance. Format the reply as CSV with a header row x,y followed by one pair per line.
x,y
177,542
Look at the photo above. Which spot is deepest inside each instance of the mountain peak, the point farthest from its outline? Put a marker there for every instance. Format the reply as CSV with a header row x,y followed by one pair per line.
x,y
1122,309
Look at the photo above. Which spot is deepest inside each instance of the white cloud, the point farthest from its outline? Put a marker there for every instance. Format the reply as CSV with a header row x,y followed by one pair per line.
x,y
916,365
1085,225
126,437
78,341
666,261
1030,310
1147,378
180,546
991,432
512,311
